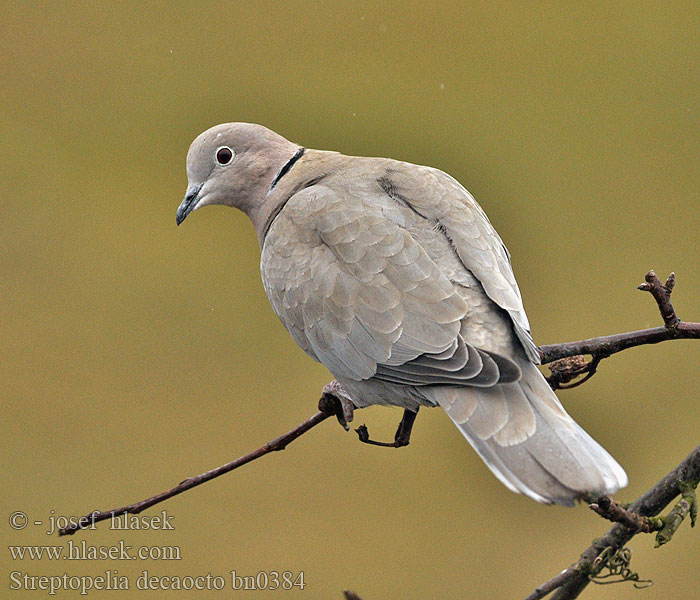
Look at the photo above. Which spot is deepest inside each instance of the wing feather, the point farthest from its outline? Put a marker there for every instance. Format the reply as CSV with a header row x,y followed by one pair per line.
x,y
439,197
361,295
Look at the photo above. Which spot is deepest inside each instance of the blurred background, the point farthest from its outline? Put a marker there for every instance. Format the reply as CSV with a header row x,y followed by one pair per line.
x,y
136,353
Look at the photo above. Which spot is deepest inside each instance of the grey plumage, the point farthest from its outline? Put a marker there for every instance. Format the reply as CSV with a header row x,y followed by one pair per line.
x,y
392,276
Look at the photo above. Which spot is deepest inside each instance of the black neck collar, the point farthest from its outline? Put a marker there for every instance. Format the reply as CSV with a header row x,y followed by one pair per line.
x,y
285,169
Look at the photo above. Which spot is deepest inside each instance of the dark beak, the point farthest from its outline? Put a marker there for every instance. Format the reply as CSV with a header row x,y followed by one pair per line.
x,y
188,204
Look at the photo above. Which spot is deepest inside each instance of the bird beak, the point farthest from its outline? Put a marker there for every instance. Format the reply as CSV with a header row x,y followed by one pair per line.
x,y
188,204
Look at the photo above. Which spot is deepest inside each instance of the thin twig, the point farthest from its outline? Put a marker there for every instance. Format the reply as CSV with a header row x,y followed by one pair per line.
x,y
662,295
277,444
607,345
607,508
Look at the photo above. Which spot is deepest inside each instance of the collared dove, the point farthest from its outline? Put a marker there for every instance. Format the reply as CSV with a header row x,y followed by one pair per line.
x,y
391,275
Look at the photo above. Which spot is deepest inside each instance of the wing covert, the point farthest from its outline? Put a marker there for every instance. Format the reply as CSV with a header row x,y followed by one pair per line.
x,y
437,196
353,288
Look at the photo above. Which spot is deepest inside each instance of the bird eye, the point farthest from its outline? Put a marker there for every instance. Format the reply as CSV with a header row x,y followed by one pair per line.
x,y
224,155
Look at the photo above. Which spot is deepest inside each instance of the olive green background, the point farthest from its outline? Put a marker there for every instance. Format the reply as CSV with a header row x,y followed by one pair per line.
x,y
136,353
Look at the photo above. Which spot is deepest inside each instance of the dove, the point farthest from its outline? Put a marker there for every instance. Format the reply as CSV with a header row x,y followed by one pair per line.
x,y
391,275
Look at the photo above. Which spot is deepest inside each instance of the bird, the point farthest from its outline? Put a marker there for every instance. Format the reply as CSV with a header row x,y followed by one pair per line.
x,y
391,275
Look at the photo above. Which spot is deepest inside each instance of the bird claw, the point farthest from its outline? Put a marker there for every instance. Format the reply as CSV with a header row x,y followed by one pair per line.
x,y
403,433
335,401
363,436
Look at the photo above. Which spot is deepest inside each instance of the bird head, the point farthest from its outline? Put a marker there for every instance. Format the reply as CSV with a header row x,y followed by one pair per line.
x,y
235,164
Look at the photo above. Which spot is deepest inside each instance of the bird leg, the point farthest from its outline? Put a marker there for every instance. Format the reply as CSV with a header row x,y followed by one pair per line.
x,y
403,432
335,401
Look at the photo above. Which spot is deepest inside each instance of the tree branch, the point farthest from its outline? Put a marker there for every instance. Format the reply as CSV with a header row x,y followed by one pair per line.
x,y
572,581
568,363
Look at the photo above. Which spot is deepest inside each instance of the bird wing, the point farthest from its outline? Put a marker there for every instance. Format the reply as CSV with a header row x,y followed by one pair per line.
x,y
439,197
359,293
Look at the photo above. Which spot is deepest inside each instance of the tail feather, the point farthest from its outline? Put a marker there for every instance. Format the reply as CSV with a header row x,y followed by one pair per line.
x,y
527,439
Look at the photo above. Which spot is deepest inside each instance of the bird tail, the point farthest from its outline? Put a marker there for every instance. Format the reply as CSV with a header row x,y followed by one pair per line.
x,y
527,439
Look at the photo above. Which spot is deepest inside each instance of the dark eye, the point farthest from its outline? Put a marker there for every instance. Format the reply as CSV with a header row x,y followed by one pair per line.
x,y
224,155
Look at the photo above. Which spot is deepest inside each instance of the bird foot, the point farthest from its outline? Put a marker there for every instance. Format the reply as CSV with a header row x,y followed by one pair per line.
x,y
336,401
403,433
